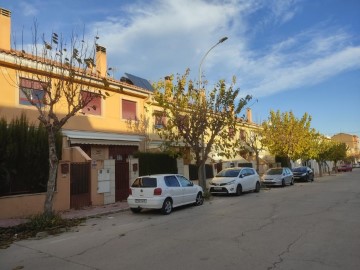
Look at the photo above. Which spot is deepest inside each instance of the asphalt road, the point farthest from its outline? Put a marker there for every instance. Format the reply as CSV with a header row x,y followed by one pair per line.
x,y
306,226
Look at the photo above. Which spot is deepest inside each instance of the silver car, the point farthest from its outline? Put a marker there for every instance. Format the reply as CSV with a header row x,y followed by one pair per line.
x,y
280,176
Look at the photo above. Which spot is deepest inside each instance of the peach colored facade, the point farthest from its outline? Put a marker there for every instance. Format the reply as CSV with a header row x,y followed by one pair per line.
x,y
352,141
103,140
105,137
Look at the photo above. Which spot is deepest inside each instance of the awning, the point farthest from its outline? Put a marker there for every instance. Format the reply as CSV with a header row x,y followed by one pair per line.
x,y
102,138
101,142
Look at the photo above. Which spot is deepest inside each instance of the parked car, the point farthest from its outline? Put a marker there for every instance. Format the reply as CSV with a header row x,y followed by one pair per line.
x,y
163,191
345,168
303,173
235,181
280,176
356,165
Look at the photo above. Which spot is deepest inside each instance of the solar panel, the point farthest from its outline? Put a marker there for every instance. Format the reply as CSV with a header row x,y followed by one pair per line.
x,y
140,82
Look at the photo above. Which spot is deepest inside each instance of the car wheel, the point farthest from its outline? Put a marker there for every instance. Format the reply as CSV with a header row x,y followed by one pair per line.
x,y
283,183
199,199
135,210
167,207
292,181
257,187
238,190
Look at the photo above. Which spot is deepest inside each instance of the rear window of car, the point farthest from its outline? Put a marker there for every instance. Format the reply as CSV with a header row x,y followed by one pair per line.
x,y
145,182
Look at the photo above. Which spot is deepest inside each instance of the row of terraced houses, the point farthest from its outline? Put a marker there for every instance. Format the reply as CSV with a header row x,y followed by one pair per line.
x,y
100,138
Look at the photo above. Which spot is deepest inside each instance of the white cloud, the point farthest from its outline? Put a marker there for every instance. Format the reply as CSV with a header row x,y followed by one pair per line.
x,y
281,79
166,37
170,35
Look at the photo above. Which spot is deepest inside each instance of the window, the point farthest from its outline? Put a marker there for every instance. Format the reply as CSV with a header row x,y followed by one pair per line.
x,y
93,101
250,171
171,181
145,182
242,135
159,119
128,109
231,133
34,91
184,181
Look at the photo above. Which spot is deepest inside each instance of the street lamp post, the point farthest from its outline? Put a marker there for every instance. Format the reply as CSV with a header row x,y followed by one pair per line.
x,y
203,176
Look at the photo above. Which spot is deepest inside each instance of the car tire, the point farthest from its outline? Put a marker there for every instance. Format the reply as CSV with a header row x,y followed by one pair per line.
x,y
238,190
292,182
135,210
199,199
257,187
167,207
283,183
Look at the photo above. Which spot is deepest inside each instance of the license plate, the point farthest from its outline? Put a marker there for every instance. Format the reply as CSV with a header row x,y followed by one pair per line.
x,y
217,188
140,200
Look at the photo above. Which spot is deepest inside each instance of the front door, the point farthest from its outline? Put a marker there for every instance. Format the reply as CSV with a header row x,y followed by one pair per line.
x,y
80,185
121,180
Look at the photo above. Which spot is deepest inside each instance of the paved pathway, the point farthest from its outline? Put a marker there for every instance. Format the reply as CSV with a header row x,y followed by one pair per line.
x,y
72,213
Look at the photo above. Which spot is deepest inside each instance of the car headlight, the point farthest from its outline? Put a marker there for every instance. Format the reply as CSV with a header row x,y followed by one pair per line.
x,y
231,182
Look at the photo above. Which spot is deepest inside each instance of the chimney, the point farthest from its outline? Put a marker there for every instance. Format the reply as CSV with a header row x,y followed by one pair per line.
x,y
5,29
101,65
249,115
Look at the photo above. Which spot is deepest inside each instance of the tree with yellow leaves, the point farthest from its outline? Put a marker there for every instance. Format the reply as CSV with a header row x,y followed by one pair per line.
x,y
198,121
287,136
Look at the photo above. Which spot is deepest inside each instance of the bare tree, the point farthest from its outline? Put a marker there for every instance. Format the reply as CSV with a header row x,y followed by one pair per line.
x,y
58,80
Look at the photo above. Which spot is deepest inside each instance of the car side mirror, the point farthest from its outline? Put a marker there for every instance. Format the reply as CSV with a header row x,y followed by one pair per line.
x,y
191,184
241,176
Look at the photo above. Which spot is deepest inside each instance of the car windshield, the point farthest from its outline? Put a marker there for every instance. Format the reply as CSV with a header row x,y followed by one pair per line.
x,y
274,171
228,173
299,169
145,182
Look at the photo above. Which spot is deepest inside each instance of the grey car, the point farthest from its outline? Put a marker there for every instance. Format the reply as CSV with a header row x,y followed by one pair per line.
x,y
280,176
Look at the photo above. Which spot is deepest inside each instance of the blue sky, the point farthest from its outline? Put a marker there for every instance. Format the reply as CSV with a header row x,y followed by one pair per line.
x,y
298,55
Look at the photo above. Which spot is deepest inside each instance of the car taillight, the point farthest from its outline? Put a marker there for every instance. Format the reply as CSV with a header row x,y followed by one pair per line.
x,y
157,191
130,191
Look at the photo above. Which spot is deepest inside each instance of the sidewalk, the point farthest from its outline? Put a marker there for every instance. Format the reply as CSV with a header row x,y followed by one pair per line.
x,y
85,212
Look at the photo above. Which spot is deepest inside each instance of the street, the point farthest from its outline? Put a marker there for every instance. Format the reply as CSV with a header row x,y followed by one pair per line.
x,y
306,226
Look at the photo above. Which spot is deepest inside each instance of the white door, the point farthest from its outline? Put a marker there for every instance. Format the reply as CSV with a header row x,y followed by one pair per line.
x,y
189,191
174,189
246,179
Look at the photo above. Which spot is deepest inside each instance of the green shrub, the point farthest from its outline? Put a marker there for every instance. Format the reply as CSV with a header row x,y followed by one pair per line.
x,y
24,159
155,163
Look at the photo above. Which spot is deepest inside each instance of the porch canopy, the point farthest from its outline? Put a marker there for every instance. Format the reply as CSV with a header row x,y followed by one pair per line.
x,y
102,138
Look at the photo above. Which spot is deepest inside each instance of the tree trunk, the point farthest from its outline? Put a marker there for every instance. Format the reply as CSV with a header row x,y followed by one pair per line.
x,y
320,169
257,162
202,176
53,166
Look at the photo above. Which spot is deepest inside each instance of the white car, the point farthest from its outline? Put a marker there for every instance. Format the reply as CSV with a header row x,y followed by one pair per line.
x,y
163,191
235,181
356,165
